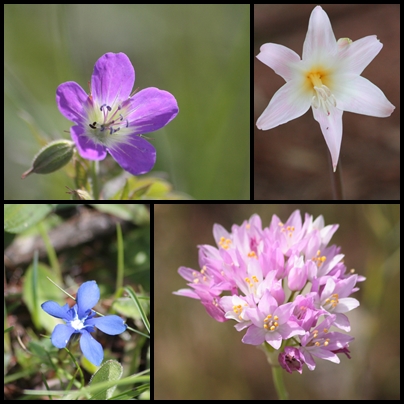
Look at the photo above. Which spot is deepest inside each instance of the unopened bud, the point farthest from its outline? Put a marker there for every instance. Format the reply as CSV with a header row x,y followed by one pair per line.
x,y
53,156
79,194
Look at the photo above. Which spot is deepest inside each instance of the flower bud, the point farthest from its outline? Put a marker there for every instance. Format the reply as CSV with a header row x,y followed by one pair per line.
x,y
79,194
53,156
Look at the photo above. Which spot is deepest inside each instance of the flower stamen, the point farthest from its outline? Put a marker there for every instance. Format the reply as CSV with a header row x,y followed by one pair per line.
x,y
323,98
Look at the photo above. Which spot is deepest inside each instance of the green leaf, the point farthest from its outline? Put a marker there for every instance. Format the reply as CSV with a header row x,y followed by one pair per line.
x,y
43,292
138,305
20,217
110,371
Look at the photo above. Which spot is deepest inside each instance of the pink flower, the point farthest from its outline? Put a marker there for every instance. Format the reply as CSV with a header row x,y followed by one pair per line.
x,y
327,78
275,283
271,323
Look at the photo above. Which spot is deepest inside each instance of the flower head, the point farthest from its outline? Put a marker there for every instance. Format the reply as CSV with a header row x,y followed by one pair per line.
x,y
109,119
283,284
327,79
80,320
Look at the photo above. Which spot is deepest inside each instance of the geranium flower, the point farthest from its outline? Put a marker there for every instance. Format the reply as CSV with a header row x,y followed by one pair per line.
x,y
110,120
326,79
80,320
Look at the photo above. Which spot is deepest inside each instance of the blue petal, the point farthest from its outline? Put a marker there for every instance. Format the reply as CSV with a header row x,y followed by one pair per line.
x,y
61,335
92,349
87,297
111,325
56,310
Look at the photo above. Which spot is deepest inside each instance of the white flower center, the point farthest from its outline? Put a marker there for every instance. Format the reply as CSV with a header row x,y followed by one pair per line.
x,y
323,99
77,324
107,124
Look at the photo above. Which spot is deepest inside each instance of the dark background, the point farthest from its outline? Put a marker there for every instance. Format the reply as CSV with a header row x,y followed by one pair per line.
x,y
290,161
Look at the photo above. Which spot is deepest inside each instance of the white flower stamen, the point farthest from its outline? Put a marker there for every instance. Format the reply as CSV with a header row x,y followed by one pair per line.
x,y
323,99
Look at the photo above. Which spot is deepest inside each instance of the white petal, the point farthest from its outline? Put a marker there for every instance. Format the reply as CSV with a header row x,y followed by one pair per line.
x,y
331,126
288,103
279,58
363,97
356,56
320,37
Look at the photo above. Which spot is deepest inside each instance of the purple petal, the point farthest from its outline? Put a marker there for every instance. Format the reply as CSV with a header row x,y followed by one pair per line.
x,y
71,98
151,109
86,147
87,297
91,349
274,339
112,79
136,157
254,335
111,325
61,335
55,310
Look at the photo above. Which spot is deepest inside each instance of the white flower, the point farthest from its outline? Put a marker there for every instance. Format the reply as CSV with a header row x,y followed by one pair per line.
x,y
326,79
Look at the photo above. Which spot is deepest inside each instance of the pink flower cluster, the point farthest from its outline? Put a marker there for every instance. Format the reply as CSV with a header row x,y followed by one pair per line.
x,y
283,284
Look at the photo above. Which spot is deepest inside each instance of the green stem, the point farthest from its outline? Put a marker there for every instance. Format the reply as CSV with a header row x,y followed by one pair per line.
x,y
277,375
277,371
94,179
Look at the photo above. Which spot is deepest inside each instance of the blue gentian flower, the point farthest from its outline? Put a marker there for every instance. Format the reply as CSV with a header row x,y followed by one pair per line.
x,y
80,319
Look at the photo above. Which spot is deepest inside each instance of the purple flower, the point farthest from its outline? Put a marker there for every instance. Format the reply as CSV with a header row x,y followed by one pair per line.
x,y
109,119
291,360
80,320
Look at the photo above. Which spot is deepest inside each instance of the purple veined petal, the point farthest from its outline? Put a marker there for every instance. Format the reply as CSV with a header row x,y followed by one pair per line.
x,y
111,325
61,335
71,98
56,310
113,79
151,109
87,297
137,156
86,147
91,349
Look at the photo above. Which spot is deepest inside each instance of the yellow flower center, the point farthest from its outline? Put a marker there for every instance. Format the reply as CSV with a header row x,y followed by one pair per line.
x,y
323,98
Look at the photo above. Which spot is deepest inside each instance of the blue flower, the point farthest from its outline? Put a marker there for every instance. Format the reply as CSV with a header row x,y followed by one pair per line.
x,y
80,319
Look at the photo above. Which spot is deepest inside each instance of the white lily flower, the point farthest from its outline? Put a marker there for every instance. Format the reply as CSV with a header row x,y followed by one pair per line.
x,y
326,79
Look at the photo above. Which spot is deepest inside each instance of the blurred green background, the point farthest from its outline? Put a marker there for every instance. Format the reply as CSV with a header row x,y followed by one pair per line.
x,y
199,53
199,358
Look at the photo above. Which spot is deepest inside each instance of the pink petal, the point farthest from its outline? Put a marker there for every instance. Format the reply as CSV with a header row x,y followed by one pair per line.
x,y
288,103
